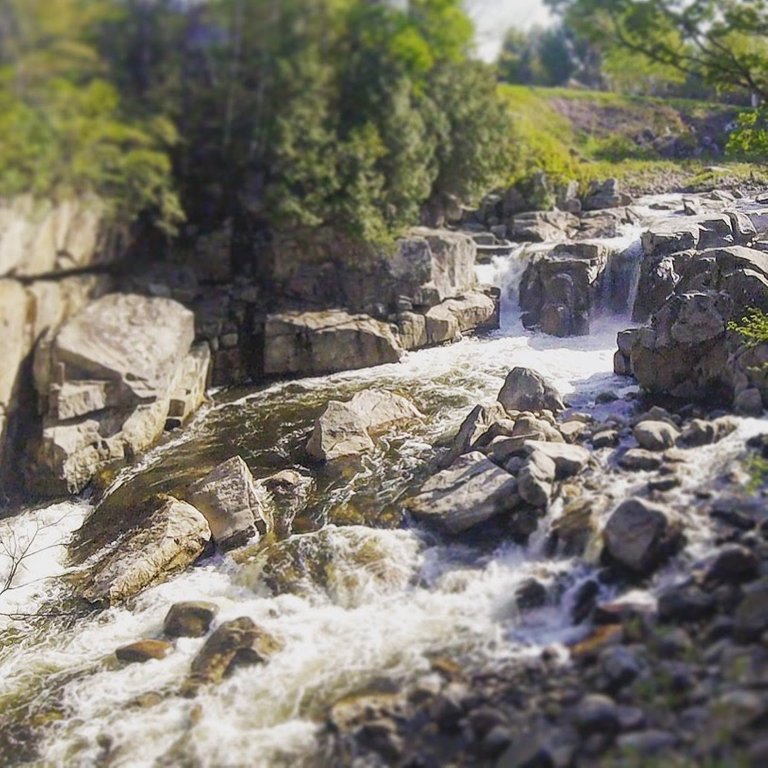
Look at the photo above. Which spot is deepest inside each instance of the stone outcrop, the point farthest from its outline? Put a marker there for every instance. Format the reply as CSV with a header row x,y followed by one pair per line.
x,y
559,289
314,343
43,238
107,383
471,491
234,505
544,226
167,541
347,428
677,252
316,268
41,244
687,349
607,194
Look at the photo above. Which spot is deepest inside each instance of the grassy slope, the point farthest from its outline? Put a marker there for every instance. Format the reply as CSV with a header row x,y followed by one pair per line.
x,y
585,135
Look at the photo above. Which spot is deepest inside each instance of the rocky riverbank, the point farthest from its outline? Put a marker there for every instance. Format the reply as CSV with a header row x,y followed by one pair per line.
x,y
499,551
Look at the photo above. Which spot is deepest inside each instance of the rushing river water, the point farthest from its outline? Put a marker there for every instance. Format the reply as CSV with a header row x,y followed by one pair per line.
x,y
422,599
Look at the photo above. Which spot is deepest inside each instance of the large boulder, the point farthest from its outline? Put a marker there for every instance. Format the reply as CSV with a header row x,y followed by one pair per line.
x,y
233,504
167,541
544,226
638,535
607,194
559,289
346,428
471,491
683,352
535,480
108,382
477,423
527,390
313,343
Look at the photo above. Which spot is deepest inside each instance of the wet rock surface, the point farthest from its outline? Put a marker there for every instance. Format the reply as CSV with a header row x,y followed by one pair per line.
x,y
169,540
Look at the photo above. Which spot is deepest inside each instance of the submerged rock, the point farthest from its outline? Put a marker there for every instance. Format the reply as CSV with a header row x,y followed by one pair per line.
x,y
234,644
143,650
527,390
345,428
169,540
289,492
343,562
232,503
471,491
189,619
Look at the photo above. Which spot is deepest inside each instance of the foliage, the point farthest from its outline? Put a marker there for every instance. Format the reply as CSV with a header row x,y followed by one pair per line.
x,y
300,113
538,57
753,327
750,139
65,128
723,42
586,135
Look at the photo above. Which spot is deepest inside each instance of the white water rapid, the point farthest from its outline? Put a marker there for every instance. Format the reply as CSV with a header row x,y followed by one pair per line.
x,y
58,675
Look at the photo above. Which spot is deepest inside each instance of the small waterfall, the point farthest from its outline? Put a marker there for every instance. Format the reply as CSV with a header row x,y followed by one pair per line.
x,y
618,287
506,272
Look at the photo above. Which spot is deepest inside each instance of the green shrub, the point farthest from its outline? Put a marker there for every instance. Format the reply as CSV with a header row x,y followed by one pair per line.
x,y
750,139
753,327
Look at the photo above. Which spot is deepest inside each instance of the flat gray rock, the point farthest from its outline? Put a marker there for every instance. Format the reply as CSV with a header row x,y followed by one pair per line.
x,y
471,491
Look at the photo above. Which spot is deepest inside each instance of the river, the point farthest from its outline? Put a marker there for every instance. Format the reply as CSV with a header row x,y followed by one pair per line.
x,y
65,700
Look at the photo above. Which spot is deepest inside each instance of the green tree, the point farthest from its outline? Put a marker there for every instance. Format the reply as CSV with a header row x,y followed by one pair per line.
x,y
65,127
721,41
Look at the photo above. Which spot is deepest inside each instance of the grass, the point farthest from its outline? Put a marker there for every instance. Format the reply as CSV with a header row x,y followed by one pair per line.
x,y
585,136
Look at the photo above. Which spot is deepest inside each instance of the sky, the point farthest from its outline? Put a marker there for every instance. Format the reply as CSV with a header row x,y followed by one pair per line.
x,y
494,17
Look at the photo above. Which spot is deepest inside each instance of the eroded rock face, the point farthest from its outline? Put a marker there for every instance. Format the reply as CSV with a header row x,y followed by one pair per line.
x,y
471,491
168,541
526,390
558,290
109,381
683,352
313,343
234,506
346,428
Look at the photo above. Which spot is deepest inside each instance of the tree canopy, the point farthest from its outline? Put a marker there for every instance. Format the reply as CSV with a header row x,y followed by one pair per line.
x,y
352,114
723,42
